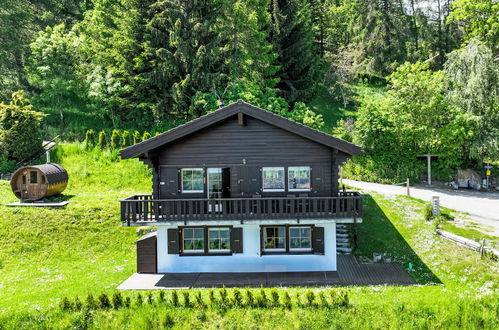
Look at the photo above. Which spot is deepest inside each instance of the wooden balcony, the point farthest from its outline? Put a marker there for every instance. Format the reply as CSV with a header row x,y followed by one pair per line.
x,y
143,210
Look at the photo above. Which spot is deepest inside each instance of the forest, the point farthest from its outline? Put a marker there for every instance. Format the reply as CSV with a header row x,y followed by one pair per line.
x,y
399,78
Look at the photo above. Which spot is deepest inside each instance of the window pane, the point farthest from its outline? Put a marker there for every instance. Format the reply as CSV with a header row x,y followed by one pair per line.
x,y
199,233
300,238
274,237
188,233
192,179
299,178
273,177
33,176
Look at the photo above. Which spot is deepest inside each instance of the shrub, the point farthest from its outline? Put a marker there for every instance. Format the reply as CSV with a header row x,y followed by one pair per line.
x,y
91,303
339,298
150,299
115,139
187,298
125,139
146,136
128,302
78,305
104,302
89,139
428,212
261,299
175,300
310,297
286,300
322,298
274,296
21,132
6,165
136,137
250,301
117,300
161,296
66,304
140,300
102,140
237,298
83,320
199,300
223,295
211,296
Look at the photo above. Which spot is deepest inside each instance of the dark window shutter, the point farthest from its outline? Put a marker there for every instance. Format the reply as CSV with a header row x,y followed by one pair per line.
x,y
169,180
173,241
236,240
318,240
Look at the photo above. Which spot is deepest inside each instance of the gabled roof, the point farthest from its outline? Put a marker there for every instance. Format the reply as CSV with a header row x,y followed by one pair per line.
x,y
231,110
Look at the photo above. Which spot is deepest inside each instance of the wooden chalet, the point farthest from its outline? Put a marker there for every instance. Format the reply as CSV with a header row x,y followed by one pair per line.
x,y
241,189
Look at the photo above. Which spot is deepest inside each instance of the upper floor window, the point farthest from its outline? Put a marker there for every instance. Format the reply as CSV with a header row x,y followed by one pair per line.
x,y
299,178
273,179
192,180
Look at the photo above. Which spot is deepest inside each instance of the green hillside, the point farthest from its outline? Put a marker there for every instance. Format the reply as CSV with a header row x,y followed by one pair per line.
x,y
48,254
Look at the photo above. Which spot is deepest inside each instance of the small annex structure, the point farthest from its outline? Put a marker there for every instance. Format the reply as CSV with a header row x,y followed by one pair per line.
x,y
32,183
241,189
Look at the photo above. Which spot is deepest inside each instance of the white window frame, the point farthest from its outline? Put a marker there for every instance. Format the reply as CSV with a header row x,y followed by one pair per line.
x,y
274,189
291,249
218,250
182,179
264,237
183,241
309,177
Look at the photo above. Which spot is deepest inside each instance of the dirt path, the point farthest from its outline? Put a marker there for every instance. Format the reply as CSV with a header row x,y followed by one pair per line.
x,y
482,206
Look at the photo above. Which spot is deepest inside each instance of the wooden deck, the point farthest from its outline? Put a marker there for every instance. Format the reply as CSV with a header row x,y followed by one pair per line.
x,y
350,273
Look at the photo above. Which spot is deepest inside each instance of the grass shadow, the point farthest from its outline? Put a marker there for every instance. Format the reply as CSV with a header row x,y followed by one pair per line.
x,y
377,234
58,198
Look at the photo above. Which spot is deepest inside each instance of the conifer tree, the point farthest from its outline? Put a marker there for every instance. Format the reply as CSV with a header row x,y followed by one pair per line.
x,y
292,36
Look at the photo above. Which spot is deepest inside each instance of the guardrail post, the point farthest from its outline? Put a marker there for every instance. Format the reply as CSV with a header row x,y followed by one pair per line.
x,y
407,183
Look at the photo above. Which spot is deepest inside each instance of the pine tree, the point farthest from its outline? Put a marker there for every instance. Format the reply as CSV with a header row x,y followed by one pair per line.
x,y
293,39
184,47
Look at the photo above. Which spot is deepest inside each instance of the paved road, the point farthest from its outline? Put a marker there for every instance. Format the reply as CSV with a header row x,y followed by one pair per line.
x,y
482,206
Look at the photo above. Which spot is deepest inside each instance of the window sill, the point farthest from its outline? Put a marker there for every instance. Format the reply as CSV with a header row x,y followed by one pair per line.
x,y
266,253
205,254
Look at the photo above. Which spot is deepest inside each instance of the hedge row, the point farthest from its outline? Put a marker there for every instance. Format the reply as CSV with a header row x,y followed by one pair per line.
x,y
115,139
221,298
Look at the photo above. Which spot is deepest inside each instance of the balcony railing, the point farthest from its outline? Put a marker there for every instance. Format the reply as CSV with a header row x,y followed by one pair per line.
x,y
141,209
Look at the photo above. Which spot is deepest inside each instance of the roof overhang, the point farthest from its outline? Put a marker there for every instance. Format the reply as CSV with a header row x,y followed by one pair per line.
x,y
232,109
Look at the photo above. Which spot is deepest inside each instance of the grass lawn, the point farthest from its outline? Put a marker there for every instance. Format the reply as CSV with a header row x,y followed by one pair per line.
x,y
48,254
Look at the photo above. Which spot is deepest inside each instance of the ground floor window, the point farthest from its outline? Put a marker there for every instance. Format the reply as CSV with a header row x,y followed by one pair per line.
x,y
193,240
300,238
219,239
205,240
286,238
274,238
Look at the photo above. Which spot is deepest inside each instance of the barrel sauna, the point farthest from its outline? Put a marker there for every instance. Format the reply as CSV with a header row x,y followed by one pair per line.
x,y
32,183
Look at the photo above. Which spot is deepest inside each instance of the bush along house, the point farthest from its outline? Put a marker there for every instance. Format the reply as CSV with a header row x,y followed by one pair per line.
x,y
241,189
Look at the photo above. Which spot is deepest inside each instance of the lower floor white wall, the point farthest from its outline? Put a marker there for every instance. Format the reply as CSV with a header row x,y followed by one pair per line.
x,y
251,259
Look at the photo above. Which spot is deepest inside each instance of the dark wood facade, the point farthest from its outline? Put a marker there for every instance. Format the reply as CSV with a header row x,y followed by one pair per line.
x,y
241,140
